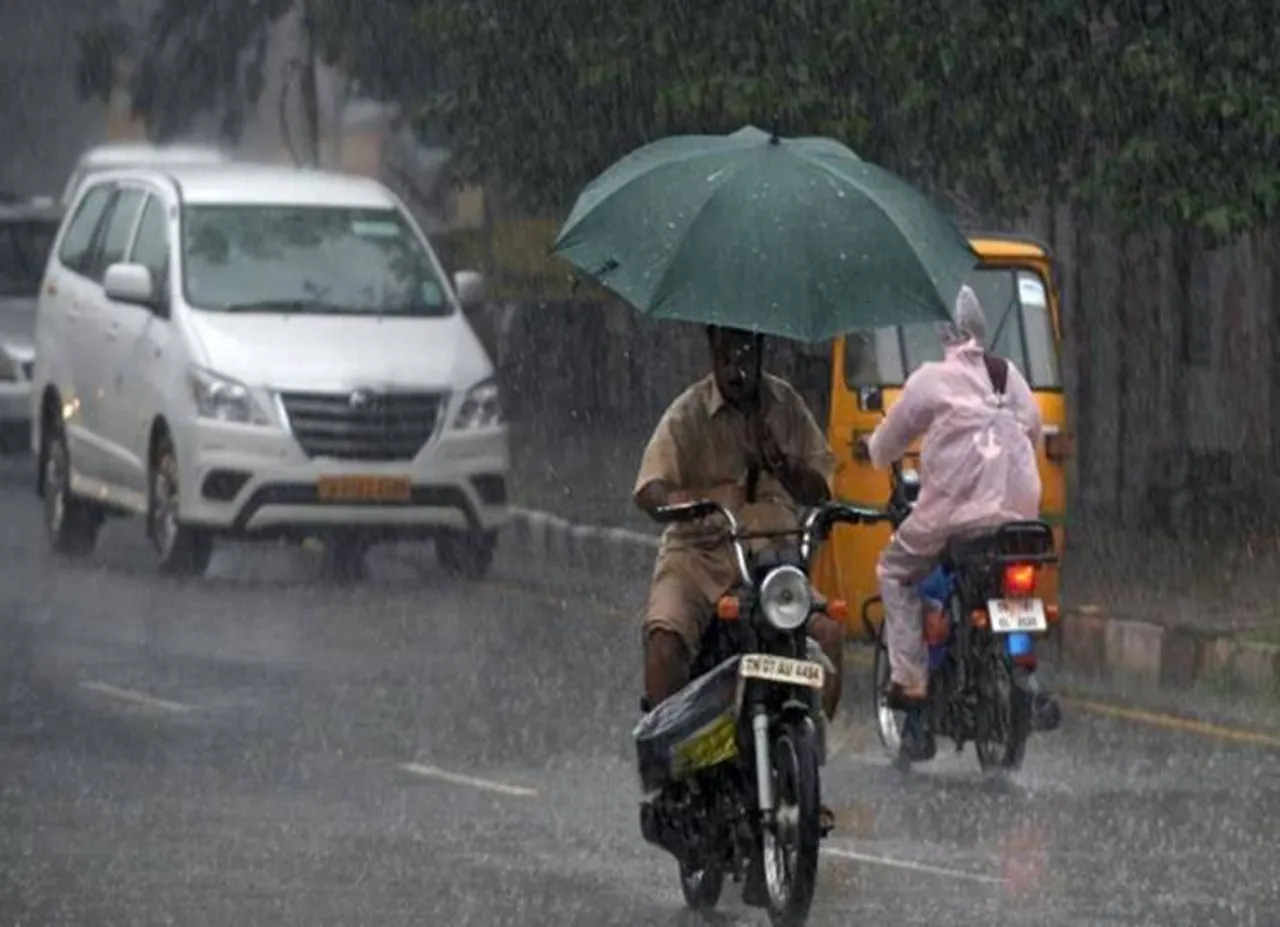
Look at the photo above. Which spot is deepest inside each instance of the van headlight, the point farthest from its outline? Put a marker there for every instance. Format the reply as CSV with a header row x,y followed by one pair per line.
x,y
785,598
224,400
481,408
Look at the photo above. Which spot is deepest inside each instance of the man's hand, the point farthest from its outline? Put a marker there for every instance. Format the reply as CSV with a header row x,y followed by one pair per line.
x,y
658,495
804,484
766,443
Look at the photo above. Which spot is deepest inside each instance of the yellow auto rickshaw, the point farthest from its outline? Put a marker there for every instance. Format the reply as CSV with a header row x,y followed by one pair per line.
x,y
1015,280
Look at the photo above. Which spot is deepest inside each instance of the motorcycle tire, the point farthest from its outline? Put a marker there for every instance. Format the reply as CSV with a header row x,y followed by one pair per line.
x,y
888,721
790,849
1004,717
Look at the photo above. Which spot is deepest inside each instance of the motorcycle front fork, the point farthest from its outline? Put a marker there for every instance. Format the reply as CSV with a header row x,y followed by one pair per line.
x,y
764,768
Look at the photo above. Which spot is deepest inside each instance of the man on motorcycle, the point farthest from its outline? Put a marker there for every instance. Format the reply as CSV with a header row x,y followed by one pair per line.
x,y
978,470
745,439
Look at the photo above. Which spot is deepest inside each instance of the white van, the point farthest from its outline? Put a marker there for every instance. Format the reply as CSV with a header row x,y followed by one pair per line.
x,y
117,155
257,351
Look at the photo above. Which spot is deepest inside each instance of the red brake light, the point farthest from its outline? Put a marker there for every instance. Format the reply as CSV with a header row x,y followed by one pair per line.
x,y
1019,580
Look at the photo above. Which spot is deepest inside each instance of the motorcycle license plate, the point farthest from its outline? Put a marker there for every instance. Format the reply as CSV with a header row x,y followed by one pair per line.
x,y
781,669
1011,615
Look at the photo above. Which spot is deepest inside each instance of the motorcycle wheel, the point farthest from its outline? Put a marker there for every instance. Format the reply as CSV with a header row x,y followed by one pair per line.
x,y
701,887
1004,716
888,722
790,847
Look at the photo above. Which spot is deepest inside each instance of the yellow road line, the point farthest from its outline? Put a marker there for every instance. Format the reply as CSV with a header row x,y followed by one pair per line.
x,y
1176,723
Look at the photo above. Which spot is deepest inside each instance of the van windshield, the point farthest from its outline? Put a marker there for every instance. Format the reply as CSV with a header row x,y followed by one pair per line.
x,y
308,260
1019,327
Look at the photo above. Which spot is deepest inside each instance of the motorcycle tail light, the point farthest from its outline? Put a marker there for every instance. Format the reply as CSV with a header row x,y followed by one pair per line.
x,y
1019,580
978,617
838,610
1051,614
728,608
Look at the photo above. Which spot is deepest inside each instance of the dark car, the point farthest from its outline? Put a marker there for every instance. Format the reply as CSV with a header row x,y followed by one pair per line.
x,y
27,231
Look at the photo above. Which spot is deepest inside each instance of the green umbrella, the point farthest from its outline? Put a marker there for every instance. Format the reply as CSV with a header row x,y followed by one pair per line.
x,y
791,237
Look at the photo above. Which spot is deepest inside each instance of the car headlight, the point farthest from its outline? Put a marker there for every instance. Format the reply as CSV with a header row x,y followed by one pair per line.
x,y
785,598
481,408
224,400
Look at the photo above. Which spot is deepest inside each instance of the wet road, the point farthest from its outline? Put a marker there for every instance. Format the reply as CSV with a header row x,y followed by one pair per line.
x,y
262,748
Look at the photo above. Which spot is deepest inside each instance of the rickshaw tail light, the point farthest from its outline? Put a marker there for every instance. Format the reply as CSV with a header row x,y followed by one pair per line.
x,y
1020,580
728,608
1057,446
838,610
1051,614
978,617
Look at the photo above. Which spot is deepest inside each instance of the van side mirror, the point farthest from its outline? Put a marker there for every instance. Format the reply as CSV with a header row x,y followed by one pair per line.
x,y
871,399
469,285
130,283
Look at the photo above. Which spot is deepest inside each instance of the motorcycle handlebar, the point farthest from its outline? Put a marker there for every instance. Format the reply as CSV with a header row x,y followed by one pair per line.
x,y
817,524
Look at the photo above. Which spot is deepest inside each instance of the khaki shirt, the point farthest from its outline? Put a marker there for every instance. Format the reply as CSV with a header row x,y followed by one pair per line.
x,y
702,447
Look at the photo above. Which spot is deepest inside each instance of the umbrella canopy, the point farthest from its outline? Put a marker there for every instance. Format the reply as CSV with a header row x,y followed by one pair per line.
x,y
791,237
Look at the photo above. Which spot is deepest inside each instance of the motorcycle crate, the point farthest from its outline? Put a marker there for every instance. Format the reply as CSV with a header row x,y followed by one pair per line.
x,y
704,710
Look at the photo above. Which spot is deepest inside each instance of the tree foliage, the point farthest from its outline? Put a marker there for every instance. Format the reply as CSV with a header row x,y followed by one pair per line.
x,y
1157,111
191,57
194,57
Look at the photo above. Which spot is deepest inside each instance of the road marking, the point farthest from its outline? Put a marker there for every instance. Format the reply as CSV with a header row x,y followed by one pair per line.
x,y
1175,723
911,866
434,772
863,656
136,698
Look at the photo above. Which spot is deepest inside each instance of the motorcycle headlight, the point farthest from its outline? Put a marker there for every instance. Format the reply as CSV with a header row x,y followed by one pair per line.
x,y
481,408
785,598
224,400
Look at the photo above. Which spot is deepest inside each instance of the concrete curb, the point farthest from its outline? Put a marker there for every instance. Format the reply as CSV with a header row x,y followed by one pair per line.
x,y
1128,650
543,536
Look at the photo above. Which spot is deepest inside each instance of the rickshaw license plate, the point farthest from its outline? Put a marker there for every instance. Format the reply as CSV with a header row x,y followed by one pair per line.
x,y
364,489
781,669
1011,615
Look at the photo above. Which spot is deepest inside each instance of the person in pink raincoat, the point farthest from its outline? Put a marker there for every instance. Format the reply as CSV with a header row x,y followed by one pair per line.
x,y
977,470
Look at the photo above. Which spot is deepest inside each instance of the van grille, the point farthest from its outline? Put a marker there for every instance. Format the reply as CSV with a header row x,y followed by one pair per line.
x,y
363,425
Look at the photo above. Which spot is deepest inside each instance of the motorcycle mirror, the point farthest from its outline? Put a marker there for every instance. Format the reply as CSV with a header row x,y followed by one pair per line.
x,y
871,399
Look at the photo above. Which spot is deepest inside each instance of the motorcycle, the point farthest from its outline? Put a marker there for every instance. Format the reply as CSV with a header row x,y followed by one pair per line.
x,y
981,623
731,762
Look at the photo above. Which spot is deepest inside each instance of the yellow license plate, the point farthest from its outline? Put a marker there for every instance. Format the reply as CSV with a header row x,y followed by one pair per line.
x,y
781,669
364,489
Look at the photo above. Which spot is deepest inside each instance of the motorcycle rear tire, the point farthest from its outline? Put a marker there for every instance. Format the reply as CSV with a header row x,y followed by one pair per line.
x,y
1003,699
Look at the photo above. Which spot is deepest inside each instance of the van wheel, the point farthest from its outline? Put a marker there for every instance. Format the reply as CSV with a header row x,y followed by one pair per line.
x,y
467,556
180,550
72,524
